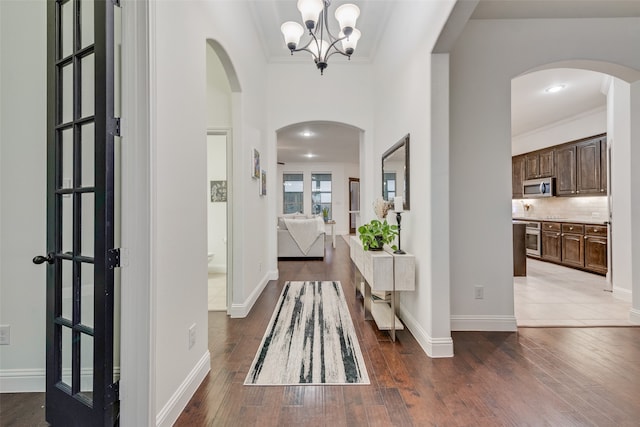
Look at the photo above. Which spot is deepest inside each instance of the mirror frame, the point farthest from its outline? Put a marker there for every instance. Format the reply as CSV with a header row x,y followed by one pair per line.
x,y
403,143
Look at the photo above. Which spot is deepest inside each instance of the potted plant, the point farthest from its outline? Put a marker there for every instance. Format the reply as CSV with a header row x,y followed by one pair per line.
x,y
325,214
376,234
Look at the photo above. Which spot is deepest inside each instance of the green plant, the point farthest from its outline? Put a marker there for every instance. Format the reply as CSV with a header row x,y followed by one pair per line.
x,y
376,234
325,212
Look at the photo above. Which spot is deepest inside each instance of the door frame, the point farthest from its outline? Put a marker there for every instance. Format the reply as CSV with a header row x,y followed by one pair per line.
x,y
229,161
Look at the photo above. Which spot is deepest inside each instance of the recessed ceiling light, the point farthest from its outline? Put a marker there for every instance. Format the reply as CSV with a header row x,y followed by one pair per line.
x,y
554,88
309,155
306,134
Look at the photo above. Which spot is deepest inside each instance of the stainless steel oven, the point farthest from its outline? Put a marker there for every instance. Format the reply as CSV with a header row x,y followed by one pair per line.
x,y
532,239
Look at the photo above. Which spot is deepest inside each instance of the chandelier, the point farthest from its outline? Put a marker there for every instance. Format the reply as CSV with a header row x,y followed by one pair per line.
x,y
323,44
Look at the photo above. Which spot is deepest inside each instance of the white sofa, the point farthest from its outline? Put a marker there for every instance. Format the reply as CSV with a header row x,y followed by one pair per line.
x,y
307,230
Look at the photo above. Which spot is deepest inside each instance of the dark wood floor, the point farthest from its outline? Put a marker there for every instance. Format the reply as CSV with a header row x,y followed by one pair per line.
x,y
538,376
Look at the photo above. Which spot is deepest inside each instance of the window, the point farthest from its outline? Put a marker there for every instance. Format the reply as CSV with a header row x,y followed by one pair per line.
x,y
321,193
389,187
293,190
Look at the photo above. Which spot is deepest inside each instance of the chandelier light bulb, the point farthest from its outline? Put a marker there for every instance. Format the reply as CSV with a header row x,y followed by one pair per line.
x,y
310,10
292,31
347,14
349,44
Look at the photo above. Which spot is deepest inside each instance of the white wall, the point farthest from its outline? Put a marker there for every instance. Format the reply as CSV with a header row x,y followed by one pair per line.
x,y
23,171
180,119
340,174
488,54
593,122
404,71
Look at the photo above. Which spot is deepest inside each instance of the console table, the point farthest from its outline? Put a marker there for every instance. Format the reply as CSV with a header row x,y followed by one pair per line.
x,y
382,273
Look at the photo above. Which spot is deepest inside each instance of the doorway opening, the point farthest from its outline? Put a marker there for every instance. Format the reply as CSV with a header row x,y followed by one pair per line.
x,y
550,110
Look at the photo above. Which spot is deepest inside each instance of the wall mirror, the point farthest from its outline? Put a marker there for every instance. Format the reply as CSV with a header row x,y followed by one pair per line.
x,y
395,172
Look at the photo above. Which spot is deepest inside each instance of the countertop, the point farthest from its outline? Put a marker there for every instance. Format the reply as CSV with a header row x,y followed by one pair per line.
x,y
594,221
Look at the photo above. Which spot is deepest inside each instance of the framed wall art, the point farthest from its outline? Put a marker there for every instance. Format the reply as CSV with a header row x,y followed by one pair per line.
x,y
263,184
218,191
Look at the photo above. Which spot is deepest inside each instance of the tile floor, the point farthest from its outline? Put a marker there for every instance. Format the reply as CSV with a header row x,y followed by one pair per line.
x,y
217,292
552,295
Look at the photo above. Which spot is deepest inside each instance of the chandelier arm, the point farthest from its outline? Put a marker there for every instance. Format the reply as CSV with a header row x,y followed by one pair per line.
x,y
336,51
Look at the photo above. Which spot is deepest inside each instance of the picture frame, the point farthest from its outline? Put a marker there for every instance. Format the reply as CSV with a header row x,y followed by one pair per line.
x,y
255,164
218,191
263,183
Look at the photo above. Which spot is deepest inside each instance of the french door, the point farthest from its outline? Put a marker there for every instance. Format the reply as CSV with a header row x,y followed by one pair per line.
x,y
81,389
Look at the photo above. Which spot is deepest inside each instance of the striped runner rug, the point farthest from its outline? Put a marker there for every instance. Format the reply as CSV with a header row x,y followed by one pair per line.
x,y
310,340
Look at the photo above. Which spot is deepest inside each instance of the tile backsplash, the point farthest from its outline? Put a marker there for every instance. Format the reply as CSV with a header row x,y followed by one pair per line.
x,y
577,208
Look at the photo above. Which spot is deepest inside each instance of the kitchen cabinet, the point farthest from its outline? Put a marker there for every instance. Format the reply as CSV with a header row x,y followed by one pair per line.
x,y
551,241
517,176
539,164
572,250
588,167
579,167
604,169
566,170
595,248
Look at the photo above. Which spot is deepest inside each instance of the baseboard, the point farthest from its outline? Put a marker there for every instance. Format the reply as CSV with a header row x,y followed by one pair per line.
x,y
217,268
634,316
433,347
484,323
178,401
243,309
622,294
22,381
34,380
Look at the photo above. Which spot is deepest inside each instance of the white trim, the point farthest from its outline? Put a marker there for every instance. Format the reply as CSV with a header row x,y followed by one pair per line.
x,y
22,381
137,340
622,294
433,347
634,316
35,380
178,401
602,108
484,323
242,310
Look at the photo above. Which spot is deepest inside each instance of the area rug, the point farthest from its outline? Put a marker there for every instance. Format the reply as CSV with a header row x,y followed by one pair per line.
x,y
310,340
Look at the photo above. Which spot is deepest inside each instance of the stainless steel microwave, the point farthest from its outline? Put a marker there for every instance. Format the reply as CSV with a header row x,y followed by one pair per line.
x,y
542,187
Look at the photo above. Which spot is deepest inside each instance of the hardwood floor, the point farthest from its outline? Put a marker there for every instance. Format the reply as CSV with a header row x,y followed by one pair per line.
x,y
538,376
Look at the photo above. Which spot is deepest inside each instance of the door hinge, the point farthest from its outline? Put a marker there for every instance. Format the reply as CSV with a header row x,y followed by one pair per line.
x,y
113,258
116,126
112,393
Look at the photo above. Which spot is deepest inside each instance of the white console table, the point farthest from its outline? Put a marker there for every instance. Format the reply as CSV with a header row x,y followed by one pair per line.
x,y
382,271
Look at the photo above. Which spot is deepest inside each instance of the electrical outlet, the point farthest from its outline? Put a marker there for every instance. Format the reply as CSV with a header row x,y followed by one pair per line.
x,y
5,334
192,336
479,292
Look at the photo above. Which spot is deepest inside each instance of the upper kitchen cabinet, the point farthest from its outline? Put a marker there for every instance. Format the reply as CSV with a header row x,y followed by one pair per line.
x,y
539,164
588,167
579,167
566,170
517,176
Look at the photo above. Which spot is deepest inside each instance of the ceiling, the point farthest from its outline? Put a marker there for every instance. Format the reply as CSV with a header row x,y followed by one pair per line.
x,y
532,107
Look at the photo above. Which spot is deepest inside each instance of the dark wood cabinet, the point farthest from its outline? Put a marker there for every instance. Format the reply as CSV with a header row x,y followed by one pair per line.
x,y
595,249
573,244
604,174
551,241
539,164
517,176
588,167
566,170
579,167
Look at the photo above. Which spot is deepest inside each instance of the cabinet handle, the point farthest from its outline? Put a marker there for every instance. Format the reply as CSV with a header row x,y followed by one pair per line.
x,y
586,237
572,191
570,228
557,234
578,191
602,190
